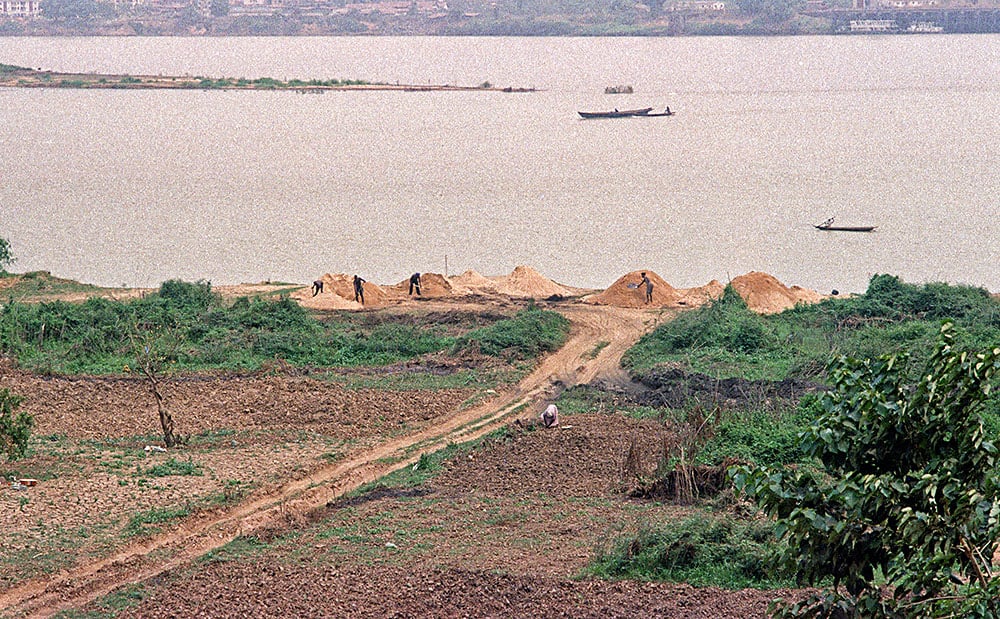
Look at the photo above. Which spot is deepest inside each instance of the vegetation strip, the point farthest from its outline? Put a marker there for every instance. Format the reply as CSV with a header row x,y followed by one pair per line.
x,y
23,77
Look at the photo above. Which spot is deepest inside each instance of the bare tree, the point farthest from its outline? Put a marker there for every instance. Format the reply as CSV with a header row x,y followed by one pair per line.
x,y
148,344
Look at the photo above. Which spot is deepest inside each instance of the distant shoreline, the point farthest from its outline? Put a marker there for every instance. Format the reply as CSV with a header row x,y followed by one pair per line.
x,y
23,77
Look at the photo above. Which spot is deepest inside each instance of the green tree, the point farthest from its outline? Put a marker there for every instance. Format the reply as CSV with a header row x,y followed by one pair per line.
x,y
6,258
906,497
15,427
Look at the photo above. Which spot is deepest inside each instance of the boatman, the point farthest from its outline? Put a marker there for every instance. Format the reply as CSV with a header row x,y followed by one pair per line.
x,y
415,283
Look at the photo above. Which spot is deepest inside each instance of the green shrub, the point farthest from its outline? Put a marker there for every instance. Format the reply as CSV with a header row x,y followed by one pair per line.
x,y
15,427
724,324
191,328
704,550
530,332
764,437
6,257
902,514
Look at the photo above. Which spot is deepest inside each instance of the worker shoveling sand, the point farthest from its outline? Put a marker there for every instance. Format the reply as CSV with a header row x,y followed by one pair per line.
x,y
342,285
431,285
630,291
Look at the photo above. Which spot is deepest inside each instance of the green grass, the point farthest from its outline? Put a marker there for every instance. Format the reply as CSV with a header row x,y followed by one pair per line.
x,y
236,550
764,437
725,339
587,399
185,326
529,333
703,550
41,284
141,523
173,467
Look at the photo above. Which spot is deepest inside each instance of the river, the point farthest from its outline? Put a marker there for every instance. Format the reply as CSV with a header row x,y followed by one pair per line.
x,y
770,136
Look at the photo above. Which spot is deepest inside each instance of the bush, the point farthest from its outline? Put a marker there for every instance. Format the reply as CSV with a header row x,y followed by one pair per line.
x,y
703,550
724,325
15,428
529,333
908,496
6,258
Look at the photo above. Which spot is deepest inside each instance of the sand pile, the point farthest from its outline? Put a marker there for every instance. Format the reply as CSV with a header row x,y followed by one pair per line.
x,y
431,285
342,285
626,292
766,295
696,297
527,282
324,301
471,282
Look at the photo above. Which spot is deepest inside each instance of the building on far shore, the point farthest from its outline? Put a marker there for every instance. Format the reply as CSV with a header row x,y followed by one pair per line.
x,y
21,8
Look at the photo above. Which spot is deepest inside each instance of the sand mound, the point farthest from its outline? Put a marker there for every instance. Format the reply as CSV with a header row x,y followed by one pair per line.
x,y
696,297
431,285
342,285
805,295
472,282
527,282
766,295
324,301
626,292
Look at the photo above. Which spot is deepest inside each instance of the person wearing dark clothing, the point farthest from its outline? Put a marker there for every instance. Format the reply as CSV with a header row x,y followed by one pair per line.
x,y
359,289
415,283
649,287
317,287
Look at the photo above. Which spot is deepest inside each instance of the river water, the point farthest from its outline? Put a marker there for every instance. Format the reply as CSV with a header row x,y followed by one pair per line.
x,y
770,136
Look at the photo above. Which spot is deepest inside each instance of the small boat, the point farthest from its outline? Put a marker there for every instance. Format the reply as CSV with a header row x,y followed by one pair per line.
x,y
827,226
617,113
618,90
646,112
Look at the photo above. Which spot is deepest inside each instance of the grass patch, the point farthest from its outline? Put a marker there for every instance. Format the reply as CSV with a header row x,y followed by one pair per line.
x,y
588,399
238,549
531,332
597,350
42,283
141,523
173,467
186,326
725,339
704,550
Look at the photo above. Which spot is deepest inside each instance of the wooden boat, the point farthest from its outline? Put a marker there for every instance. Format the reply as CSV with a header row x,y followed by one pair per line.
x,y
617,113
827,226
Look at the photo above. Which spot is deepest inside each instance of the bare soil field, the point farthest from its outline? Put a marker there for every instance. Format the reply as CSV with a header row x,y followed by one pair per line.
x,y
252,517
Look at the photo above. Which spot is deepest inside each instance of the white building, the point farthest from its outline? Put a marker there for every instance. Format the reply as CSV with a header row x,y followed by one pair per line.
x,y
20,8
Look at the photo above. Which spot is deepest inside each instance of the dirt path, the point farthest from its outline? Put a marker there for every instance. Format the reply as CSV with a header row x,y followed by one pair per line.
x,y
584,357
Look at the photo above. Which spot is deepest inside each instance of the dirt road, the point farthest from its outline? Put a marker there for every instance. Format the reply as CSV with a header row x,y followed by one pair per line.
x,y
599,336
